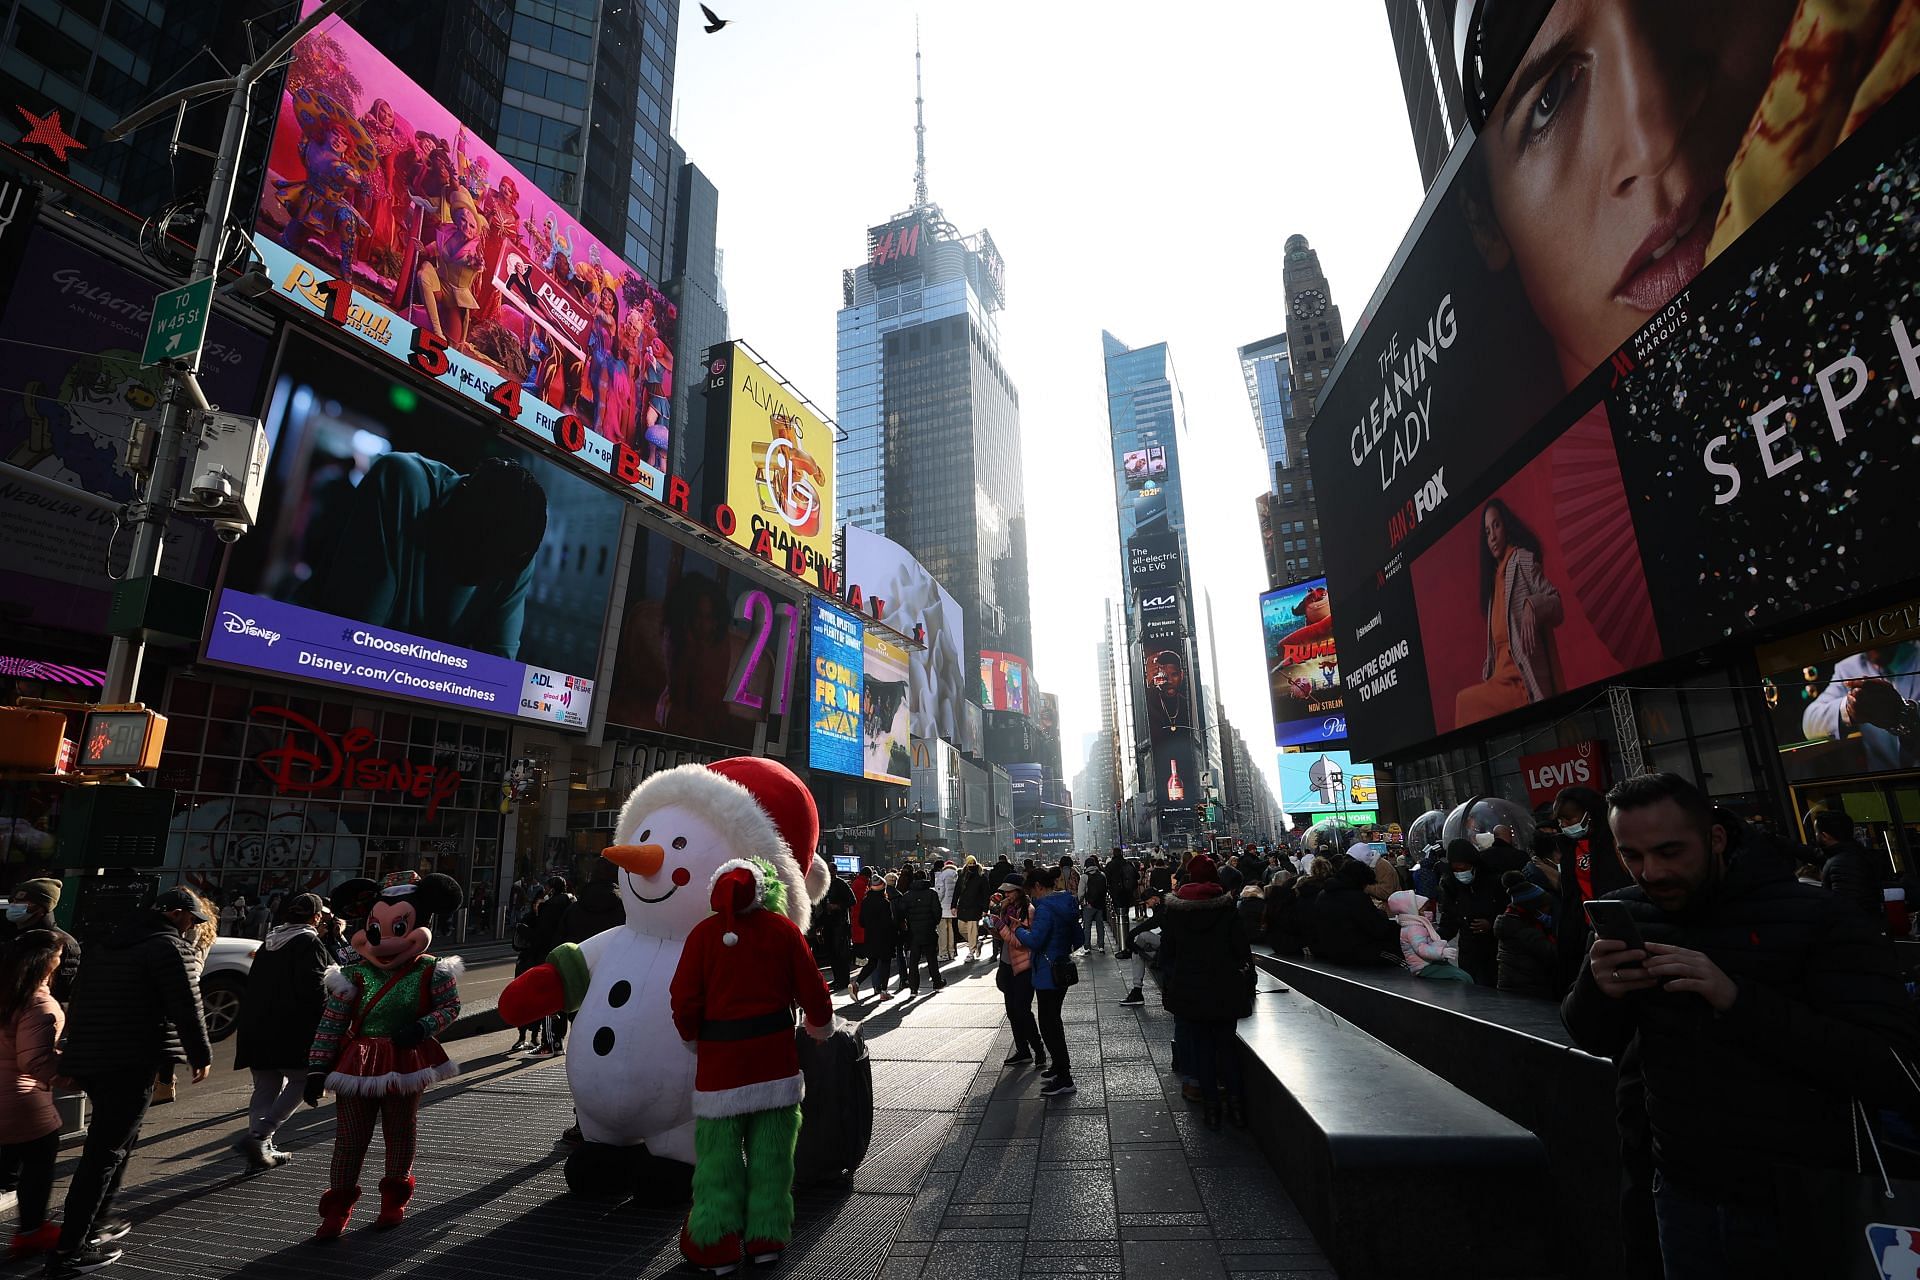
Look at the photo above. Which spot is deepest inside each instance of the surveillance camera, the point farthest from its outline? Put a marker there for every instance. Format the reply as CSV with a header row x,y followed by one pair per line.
x,y
254,282
230,530
213,489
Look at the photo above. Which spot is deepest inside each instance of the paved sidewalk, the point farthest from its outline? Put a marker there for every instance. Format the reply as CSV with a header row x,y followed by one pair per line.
x,y
970,1174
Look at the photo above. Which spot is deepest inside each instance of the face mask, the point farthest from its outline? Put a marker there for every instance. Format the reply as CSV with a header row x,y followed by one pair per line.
x,y
1483,840
1575,830
17,912
1464,877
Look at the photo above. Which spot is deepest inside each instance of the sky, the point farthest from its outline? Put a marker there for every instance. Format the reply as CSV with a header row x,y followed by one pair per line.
x,y
1140,167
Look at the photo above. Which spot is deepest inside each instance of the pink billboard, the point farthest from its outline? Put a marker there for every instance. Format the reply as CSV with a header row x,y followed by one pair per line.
x,y
460,266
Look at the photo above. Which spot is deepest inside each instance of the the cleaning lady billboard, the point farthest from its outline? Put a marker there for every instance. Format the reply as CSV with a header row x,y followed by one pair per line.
x,y
779,463
384,216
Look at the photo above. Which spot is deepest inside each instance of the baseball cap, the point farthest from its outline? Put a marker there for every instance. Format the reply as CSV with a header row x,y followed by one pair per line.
x,y
180,900
304,906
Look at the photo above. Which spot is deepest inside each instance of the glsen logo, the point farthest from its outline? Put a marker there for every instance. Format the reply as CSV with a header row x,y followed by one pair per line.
x,y
234,624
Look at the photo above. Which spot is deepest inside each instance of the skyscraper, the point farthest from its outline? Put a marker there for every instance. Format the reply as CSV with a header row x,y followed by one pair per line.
x,y
1314,338
932,453
1269,376
1436,108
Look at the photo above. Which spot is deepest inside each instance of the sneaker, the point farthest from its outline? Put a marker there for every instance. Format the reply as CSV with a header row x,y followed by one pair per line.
x,y
1017,1060
64,1266
1048,1073
1134,999
109,1229
31,1244
1059,1088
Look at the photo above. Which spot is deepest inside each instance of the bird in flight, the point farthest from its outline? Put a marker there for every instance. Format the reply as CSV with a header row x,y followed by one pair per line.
x,y
714,20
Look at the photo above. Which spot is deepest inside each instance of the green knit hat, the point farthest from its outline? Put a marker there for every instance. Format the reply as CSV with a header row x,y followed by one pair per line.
x,y
44,892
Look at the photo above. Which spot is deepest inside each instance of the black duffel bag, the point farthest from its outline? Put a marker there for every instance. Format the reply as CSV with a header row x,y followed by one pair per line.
x,y
836,1119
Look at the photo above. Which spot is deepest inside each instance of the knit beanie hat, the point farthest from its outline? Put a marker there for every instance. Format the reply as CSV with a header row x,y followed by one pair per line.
x,y
44,892
1201,869
1520,889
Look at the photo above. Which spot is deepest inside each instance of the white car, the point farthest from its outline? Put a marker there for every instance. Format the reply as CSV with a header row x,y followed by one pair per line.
x,y
223,981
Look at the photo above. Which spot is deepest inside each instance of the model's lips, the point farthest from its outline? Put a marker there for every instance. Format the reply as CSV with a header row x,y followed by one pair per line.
x,y
643,897
1674,251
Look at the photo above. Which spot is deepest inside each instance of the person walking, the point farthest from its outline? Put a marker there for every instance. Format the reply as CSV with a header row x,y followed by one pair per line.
x,y
259,919
1751,996
527,954
970,894
1470,901
1093,906
1122,880
855,926
1052,936
1013,975
165,1087
833,917
285,996
946,882
882,940
31,907
924,914
134,1009
30,1027
549,930
1207,962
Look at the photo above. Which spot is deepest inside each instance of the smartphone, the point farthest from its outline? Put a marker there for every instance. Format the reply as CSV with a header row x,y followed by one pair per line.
x,y
1613,919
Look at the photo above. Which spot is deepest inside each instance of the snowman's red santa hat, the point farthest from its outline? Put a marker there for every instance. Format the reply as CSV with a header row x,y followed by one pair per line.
x,y
758,806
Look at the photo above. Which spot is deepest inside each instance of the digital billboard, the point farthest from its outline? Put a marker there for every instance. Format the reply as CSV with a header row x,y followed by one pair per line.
x,y
457,265
1317,781
1844,699
402,549
1046,732
886,712
1162,620
706,652
1166,713
881,567
779,464
71,333
1142,466
1153,559
834,740
1303,671
1705,424
1004,678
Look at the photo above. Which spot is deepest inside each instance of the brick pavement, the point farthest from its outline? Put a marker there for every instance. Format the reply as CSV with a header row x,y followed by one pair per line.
x,y
971,1174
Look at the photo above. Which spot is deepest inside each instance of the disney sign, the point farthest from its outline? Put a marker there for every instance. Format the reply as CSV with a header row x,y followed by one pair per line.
x,y
344,763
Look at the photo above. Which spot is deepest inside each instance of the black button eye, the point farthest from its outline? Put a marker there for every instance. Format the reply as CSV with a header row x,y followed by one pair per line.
x,y
399,927
644,835
373,932
679,842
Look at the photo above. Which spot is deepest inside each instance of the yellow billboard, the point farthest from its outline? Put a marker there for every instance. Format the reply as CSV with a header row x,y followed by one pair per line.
x,y
779,470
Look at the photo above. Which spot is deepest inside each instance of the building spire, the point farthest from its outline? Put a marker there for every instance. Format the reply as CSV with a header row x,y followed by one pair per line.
x,y
919,128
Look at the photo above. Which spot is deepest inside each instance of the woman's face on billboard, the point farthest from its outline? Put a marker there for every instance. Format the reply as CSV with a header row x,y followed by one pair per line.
x,y
1605,160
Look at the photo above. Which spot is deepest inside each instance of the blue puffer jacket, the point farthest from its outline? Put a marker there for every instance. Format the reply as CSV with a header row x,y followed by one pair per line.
x,y
1052,936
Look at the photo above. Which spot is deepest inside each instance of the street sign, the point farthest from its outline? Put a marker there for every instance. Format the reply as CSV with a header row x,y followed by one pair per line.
x,y
179,325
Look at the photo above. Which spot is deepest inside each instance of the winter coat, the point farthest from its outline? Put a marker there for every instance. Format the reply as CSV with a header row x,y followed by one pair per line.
x,y
1420,942
1344,925
69,953
945,881
1014,955
1462,904
134,1008
1252,906
27,1069
596,910
1001,870
1204,956
856,920
970,893
1280,923
1527,953
1052,936
833,914
1854,874
923,911
1160,879
1230,878
1821,1014
546,927
1123,880
1386,880
286,993
1527,583
1593,854
876,921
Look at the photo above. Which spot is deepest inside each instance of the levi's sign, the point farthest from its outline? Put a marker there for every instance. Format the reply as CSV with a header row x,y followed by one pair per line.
x,y
1584,764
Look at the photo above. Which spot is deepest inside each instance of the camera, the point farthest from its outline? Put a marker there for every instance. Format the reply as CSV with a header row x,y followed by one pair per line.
x,y
228,473
230,530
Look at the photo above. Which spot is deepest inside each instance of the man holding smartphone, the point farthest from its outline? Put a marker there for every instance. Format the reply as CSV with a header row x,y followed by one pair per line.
x,y
1761,1009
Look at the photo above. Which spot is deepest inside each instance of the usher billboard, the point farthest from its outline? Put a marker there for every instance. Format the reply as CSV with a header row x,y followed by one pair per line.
x,y
1594,418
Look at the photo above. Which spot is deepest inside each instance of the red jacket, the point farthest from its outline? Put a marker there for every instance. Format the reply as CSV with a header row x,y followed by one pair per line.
x,y
736,1003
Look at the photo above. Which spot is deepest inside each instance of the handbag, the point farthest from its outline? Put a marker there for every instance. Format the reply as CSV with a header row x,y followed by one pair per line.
x,y
1065,972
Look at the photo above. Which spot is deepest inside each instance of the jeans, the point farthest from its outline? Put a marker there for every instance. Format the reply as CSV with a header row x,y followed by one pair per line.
x,y
879,965
31,1167
1212,1057
1094,919
1711,1238
1018,990
1053,1033
276,1093
1143,949
119,1101
924,951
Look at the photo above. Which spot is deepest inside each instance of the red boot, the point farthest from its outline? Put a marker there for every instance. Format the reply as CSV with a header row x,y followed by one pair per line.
x,y
28,1244
336,1206
764,1252
394,1194
717,1259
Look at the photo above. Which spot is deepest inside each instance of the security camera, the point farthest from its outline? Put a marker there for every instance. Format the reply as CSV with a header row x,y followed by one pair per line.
x,y
254,282
228,471
230,530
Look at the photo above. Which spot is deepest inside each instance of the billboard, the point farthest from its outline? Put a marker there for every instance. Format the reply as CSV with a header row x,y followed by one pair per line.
x,y
1046,731
779,465
834,740
1723,360
881,567
1162,621
1321,782
894,248
402,548
1845,699
71,333
1303,671
886,712
460,268
1166,712
1004,678
706,652
1153,559
1142,467
1546,773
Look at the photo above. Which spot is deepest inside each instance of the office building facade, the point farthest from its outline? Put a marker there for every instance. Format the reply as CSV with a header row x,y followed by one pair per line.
x,y
1314,337
1430,78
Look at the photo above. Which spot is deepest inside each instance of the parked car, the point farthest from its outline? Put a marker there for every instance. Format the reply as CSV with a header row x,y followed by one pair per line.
x,y
223,982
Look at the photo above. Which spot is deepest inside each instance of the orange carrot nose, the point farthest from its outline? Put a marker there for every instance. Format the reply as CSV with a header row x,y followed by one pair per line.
x,y
642,858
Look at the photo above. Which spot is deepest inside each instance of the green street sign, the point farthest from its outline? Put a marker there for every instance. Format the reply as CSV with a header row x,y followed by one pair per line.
x,y
179,324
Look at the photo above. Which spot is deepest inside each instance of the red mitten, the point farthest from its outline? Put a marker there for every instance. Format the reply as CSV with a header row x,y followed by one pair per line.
x,y
535,994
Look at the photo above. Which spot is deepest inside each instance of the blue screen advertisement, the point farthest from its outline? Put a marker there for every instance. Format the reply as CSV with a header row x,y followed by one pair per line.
x,y
834,740
1325,782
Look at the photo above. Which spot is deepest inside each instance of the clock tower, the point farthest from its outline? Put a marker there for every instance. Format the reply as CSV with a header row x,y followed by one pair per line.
x,y
1314,336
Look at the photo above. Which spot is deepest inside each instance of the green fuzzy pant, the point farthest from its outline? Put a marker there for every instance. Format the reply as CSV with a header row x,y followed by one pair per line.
x,y
743,1176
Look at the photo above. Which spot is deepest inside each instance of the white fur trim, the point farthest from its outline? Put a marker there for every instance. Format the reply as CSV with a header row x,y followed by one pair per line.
x,y
740,864
748,1098
819,876
452,966
339,984
349,1086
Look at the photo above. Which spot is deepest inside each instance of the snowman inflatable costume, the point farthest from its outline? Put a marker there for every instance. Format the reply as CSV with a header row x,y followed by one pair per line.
x,y
631,1077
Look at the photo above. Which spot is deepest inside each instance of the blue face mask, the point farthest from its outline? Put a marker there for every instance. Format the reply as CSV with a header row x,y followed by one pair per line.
x,y
1464,877
1575,830
17,912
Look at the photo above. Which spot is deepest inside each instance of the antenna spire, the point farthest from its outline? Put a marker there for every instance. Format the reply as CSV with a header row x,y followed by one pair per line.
x,y
919,128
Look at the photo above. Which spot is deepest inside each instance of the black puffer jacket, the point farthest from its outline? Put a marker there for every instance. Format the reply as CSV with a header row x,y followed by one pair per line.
x,y
1853,874
134,1008
923,913
1527,954
1204,958
970,894
1462,904
285,996
876,920
1821,1015
1343,924
1281,927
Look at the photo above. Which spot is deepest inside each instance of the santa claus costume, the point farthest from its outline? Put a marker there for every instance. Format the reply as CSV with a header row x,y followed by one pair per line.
x,y
741,974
